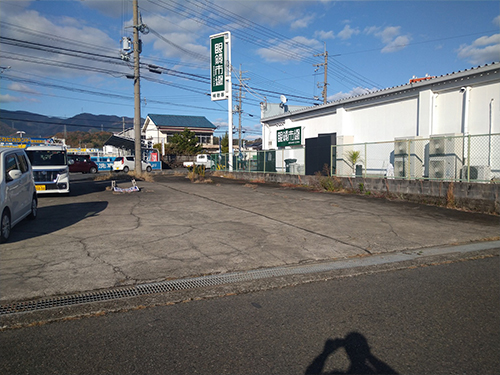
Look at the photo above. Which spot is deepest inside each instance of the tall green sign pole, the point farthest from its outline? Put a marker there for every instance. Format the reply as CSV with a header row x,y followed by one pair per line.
x,y
220,78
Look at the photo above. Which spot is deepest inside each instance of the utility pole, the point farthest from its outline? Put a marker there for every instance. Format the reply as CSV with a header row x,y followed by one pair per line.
x,y
137,91
240,111
325,67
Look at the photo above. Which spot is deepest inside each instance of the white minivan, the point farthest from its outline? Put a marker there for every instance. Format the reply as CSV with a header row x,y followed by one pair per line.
x,y
18,197
127,163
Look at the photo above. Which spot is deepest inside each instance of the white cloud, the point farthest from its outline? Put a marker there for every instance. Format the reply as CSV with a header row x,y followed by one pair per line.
x,y
182,32
347,32
390,36
106,7
323,35
483,50
397,44
6,98
354,92
496,20
389,33
371,30
267,13
278,52
23,88
302,22
38,29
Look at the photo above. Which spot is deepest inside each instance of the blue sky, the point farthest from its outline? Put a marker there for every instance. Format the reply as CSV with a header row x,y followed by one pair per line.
x,y
64,55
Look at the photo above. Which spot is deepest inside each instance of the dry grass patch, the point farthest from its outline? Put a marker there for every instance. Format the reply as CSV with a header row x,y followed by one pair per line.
x,y
261,180
223,174
148,177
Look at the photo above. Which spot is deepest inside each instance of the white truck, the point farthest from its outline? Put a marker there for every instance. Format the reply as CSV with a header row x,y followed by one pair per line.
x,y
201,160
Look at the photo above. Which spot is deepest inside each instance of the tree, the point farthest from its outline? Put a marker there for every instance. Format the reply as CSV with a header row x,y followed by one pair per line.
x,y
185,143
80,139
224,144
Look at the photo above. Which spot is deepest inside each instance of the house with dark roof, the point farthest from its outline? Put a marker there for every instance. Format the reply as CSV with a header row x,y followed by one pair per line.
x,y
162,127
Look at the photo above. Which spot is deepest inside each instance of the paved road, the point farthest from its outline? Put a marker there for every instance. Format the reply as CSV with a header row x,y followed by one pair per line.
x,y
95,239
440,319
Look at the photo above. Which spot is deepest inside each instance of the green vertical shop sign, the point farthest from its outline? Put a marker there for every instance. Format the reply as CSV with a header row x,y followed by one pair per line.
x,y
217,67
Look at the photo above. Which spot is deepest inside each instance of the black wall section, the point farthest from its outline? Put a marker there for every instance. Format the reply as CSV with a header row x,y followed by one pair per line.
x,y
318,153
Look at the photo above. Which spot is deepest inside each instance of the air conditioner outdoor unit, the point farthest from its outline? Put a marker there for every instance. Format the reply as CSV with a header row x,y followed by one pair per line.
x,y
400,147
408,145
399,168
436,169
445,167
446,150
446,144
408,157
477,172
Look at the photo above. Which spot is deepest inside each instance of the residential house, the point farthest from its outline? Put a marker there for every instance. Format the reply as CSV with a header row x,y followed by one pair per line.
x,y
158,128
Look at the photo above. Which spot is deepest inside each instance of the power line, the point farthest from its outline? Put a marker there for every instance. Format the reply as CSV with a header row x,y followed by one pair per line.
x,y
115,60
59,123
257,32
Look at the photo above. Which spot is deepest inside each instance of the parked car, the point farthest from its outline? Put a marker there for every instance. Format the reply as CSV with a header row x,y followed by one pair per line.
x,y
81,163
127,163
201,160
18,198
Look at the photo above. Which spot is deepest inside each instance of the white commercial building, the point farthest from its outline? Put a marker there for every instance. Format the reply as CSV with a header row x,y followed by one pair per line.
x,y
460,103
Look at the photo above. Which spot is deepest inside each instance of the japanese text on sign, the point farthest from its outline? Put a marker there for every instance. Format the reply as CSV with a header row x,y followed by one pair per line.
x,y
218,68
289,137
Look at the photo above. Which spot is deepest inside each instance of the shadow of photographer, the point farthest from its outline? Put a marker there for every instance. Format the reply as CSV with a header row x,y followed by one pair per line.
x,y
359,354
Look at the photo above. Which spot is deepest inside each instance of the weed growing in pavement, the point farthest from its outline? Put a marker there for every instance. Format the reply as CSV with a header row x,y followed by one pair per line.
x,y
197,174
191,175
328,183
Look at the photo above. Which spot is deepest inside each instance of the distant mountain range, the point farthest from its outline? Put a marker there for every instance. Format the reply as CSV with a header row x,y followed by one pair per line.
x,y
35,125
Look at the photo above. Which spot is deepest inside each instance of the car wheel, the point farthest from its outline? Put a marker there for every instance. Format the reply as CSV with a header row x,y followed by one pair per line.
x,y
93,170
125,169
34,208
148,169
5,226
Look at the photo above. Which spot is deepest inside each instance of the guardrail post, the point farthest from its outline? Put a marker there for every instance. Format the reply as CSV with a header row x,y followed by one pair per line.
x,y
366,161
409,160
283,170
468,158
331,160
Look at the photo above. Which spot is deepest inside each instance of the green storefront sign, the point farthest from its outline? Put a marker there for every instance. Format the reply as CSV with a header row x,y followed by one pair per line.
x,y
289,137
217,61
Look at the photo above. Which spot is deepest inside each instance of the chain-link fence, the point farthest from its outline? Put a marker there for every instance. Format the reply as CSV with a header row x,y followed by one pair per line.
x,y
450,158
290,161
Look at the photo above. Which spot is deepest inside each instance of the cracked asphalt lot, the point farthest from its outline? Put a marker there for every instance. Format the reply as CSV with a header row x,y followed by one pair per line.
x,y
95,239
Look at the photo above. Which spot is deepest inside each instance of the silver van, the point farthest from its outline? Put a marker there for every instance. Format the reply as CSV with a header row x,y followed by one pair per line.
x,y
18,198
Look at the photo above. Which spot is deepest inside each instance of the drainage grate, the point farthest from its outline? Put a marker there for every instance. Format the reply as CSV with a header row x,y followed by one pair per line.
x,y
215,280
161,287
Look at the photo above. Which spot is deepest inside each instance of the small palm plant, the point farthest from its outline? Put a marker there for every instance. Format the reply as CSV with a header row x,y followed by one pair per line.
x,y
354,157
